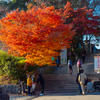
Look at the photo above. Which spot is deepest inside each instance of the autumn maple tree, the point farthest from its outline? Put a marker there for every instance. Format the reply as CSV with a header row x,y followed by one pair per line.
x,y
37,34
83,21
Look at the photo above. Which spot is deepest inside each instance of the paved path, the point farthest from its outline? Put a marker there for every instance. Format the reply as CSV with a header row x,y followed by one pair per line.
x,y
60,96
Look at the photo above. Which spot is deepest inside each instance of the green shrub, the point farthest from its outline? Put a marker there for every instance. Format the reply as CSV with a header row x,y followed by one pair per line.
x,y
10,65
1,71
13,66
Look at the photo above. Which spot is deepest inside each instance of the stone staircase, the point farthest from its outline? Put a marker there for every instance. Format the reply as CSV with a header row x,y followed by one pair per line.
x,y
59,83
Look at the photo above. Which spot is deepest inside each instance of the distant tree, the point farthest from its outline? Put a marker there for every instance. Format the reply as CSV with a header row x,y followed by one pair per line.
x,y
95,5
61,3
83,20
4,7
90,4
14,4
21,4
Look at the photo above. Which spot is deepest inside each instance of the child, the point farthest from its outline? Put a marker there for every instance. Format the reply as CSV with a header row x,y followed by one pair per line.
x,y
90,86
32,91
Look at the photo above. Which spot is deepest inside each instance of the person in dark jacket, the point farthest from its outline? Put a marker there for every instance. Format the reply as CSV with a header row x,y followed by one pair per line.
x,y
83,51
70,66
78,81
57,62
83,58
42,82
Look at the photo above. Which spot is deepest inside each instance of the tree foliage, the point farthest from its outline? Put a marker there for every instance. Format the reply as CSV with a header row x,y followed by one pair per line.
x,y
61,3
90,4
83,20
37,34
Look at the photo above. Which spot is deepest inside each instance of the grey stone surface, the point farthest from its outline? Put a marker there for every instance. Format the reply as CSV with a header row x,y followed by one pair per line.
x,y
59,96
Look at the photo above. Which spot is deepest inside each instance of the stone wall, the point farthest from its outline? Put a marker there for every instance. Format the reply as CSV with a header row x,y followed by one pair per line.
x,y
12,89
17,89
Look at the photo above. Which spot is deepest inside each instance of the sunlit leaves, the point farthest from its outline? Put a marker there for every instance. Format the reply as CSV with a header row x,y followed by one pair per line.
x,y
36,34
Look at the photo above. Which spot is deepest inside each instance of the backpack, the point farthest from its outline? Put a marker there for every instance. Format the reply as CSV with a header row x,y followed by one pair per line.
x,y
69,63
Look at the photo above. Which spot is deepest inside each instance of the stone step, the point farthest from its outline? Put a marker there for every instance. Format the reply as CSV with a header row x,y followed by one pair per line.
x,y
54,89
60,91
71,87
56,85
61,76
61,83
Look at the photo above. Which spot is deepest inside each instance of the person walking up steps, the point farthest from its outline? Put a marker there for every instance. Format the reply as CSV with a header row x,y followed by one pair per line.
x,y
57,62
79,65
83,58
42,82
81,80
70,66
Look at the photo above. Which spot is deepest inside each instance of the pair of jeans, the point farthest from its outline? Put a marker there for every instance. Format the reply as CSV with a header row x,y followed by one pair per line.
x,y
80,88
58,65
42,88
83,88
28,88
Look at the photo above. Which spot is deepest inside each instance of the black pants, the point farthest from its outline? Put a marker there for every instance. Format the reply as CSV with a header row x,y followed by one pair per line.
x,y
70,69
83,60
42,88
58,65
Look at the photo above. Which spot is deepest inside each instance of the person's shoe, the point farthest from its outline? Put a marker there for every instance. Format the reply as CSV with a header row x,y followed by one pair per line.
x,y
41,94
83,93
